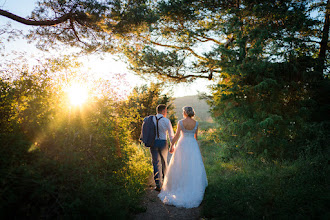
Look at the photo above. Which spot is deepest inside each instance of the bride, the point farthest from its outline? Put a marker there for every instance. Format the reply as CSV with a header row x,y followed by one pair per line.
x,y
185,180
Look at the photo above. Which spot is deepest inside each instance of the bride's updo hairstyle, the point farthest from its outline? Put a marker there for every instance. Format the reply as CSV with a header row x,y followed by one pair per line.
x,y
189,111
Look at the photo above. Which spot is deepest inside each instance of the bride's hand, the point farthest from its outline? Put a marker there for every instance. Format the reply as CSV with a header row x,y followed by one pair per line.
x,y
171,149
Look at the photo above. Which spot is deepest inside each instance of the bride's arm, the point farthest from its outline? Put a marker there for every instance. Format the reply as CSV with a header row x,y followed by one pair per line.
x,y
196,133
176,136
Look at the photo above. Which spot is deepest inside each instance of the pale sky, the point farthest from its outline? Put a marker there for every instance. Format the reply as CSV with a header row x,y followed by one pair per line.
x,y
94,65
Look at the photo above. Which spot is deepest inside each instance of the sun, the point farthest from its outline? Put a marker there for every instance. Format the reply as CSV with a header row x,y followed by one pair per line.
x,y
78,94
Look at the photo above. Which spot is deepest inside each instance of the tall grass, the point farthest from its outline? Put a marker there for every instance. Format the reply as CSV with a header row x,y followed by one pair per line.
x,y
34,185
256,189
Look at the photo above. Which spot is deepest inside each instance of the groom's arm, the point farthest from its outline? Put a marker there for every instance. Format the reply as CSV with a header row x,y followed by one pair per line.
x,y
170,130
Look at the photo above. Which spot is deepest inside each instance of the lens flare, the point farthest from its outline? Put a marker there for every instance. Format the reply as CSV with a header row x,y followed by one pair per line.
x,y
78,94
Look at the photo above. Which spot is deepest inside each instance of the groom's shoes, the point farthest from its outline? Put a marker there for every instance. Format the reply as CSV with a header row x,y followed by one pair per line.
x,y
158,188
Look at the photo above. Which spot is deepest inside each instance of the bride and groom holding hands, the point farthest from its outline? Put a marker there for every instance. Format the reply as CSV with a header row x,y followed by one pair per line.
x,y
182,182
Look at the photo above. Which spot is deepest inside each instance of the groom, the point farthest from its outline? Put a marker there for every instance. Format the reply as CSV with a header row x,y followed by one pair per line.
x,y
160,150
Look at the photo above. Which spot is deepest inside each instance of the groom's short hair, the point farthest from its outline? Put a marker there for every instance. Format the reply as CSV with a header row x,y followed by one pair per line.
x,y
160,108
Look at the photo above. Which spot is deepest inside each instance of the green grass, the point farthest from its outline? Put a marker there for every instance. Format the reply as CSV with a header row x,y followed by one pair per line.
x,y
37,186
205,125
257,189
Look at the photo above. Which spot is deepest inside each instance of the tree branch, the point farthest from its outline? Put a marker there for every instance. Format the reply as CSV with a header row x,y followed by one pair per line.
x,y
208,39
200,40
179,48
186,76
311,41
228,42
75,32
33,22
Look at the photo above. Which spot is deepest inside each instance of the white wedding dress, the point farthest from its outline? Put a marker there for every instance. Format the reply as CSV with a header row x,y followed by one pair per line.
x,y
185,180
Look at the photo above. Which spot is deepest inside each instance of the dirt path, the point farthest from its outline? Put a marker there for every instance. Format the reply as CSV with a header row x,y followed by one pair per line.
x,y
157,210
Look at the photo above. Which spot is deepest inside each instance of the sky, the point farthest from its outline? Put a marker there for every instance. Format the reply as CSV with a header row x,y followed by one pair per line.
x,y
105,67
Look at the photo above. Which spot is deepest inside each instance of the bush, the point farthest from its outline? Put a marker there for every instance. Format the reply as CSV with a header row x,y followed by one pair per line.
x,y
66,162
46,188
255,188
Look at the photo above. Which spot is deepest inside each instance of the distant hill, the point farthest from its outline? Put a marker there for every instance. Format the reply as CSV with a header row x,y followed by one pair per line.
x,y
200,106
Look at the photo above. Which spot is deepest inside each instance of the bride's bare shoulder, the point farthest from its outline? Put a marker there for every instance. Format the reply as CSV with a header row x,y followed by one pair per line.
x,y
189,123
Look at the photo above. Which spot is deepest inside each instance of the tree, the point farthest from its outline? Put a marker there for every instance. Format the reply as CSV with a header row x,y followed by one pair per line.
x,y
197,36
269,57
264,102
142,102
325,37
89,24
182,28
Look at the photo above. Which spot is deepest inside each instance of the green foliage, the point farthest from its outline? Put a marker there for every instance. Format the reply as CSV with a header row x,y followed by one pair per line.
x,y
203,39
143,102
265,58
257,188
59,161
269,87
91,25
264,113
6,99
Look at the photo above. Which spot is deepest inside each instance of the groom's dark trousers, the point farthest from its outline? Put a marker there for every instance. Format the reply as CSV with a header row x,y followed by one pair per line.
x,y
159,154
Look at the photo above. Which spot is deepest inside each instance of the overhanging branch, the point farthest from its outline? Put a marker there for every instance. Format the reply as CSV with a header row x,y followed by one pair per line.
x,y
33,22
208,39
186,76
179,48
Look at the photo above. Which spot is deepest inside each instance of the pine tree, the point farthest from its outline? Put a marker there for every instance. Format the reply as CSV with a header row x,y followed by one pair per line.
x,y
265,55
267,93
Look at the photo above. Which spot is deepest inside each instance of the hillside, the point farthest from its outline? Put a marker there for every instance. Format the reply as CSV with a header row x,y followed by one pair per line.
x,y
200,106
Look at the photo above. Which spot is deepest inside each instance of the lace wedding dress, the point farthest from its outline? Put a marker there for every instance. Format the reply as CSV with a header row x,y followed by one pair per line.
x,y
185,180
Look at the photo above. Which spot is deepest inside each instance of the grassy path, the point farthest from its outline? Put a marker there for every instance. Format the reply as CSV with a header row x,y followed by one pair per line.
x,y
155,209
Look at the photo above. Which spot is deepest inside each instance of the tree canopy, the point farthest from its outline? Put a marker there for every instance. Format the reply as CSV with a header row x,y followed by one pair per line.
x,y
185,39
270,58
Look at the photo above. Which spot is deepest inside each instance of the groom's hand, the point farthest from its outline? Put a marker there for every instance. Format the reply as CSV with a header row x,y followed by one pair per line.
x,y
171,149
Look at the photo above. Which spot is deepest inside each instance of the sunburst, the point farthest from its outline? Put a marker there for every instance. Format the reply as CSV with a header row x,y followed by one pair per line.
x,y
78,94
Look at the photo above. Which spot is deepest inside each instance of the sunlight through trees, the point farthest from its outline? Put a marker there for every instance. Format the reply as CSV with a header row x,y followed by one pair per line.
x,y
78,94
266,153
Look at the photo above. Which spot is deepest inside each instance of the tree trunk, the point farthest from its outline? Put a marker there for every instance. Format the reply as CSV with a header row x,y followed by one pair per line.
x,y
324,41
